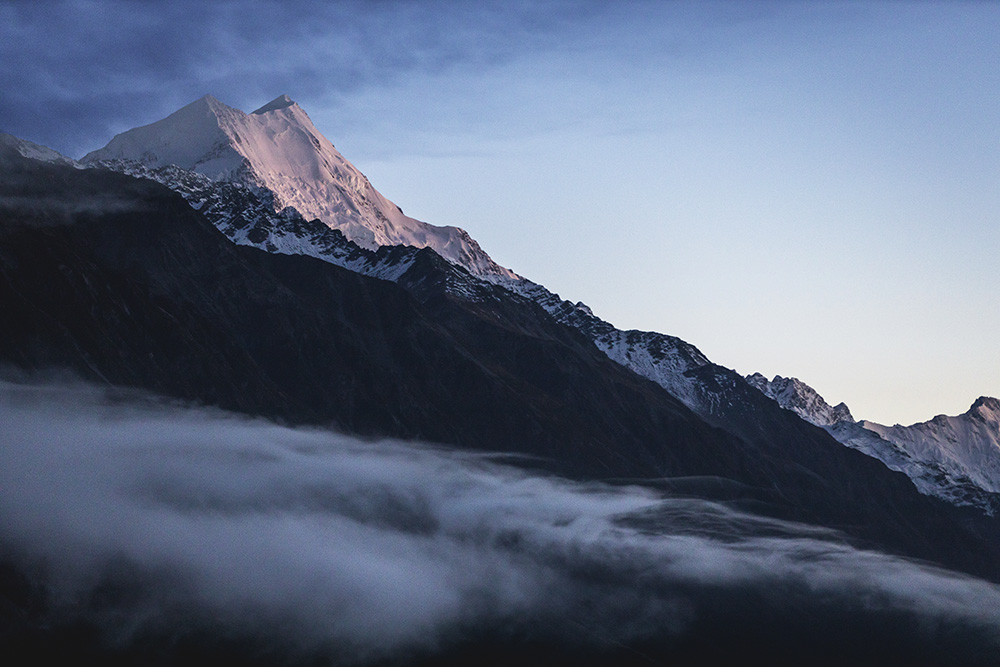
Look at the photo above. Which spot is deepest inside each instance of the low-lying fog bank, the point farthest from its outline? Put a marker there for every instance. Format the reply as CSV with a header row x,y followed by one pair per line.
x,y
164,528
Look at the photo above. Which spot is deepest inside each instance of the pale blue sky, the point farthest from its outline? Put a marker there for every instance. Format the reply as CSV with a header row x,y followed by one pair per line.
x,y
807,189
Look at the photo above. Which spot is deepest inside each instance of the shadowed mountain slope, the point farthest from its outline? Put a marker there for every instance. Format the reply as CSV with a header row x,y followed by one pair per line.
x,y
121,281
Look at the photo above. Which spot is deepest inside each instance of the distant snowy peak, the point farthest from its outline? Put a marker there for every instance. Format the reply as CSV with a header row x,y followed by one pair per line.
x,y
35,151
278,148
968,443
953,458
795,395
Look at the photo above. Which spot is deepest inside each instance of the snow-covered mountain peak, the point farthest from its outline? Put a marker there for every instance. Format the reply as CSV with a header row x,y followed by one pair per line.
x,y
278,149
193,138
795,395
987,409
279,102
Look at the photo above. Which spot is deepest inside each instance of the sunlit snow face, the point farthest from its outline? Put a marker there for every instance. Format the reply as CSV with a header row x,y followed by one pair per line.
x,y
365,549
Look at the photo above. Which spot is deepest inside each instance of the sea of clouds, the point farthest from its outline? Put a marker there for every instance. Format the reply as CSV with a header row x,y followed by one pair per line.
x,y
153,519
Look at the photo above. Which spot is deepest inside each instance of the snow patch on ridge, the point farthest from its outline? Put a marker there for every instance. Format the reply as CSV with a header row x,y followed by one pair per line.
x,y
666,360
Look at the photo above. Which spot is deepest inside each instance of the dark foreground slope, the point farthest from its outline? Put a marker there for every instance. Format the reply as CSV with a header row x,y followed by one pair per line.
x,y
120,281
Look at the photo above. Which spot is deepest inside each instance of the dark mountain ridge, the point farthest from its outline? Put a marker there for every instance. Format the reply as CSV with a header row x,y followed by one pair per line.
x,y
147,293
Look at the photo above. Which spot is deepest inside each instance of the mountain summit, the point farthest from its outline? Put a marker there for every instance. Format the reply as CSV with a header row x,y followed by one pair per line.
x,y
278,149
279,102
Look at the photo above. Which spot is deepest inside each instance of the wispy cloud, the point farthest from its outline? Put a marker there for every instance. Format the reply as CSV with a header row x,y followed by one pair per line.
x,y
370,550
77,71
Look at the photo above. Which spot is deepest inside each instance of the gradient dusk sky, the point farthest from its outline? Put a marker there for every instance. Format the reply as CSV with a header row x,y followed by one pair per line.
x,y
809,189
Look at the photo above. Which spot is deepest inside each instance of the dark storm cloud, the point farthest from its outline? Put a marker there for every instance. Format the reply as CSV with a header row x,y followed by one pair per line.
x,y
75,72
309,542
